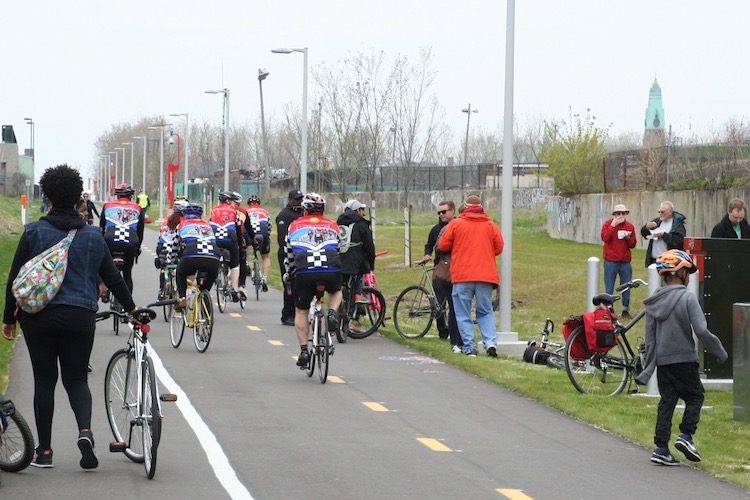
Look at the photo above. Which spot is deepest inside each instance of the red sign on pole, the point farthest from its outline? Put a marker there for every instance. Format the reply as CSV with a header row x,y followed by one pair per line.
x,y
111,186
171,169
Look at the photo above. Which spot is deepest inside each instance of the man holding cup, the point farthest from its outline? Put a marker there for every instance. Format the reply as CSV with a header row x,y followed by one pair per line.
x,y
619,238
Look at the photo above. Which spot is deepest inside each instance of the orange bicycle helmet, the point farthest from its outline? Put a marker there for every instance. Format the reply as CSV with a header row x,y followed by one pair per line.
x,y
673,260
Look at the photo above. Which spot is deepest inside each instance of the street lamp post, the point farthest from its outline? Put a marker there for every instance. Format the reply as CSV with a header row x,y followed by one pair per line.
x,y
262,74
116,165
122,179
226,133
161,166
468,112
145,147
303,128
132,165
187,149
104,163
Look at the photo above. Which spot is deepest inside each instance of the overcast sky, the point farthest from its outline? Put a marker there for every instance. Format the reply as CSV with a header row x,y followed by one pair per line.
x,y
80,66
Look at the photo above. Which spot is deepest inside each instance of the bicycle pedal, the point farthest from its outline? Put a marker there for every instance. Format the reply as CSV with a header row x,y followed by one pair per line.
x,y
117,447
168,397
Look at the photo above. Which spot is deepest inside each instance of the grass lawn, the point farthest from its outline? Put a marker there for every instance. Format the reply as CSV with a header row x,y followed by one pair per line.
x,y
549,281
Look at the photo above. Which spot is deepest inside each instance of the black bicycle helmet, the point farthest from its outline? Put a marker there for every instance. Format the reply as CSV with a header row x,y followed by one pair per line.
x,y
314,203
253,199
192,211
225,195
125,190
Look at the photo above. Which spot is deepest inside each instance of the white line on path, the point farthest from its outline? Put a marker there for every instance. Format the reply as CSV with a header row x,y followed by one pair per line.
x,y
216,457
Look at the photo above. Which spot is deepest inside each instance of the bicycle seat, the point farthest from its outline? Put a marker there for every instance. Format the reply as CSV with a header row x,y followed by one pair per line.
x,y
605,298
320,289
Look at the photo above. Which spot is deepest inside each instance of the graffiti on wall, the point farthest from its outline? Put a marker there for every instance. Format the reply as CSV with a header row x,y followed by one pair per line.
x,y
530,198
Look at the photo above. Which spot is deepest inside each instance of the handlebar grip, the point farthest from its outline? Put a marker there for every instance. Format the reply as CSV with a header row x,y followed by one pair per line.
x,y
625,286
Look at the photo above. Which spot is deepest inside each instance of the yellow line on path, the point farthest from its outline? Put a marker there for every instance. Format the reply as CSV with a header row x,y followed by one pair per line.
x,y
375,406
275,342
335,380
433,444
513,494
253,328
235,315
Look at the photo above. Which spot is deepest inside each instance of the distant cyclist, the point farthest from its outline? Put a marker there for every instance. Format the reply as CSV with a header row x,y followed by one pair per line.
x,y
243,240
197,251
225,223
166,250
312,256
260,222
122,221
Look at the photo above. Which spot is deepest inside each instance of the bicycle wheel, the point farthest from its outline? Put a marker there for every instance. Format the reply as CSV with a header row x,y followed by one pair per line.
x,y
167,293
121,399
413,312
322,350
256,278
368,317
243,299
343,334
204,321
176,326
16,440
310,369
556,361
603,374
150,417
222,284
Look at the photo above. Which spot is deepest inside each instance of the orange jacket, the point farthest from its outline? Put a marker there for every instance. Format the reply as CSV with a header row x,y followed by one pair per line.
x,y
473,241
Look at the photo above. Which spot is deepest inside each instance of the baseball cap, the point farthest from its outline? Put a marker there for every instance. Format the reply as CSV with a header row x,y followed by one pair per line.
x,y
295,193
354,205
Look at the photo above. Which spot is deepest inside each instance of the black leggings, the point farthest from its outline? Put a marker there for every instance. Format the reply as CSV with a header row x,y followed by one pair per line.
x,y
66,335
128,256
187,266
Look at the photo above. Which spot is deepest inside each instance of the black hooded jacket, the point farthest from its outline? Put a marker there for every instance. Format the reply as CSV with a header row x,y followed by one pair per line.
x,y
358,259
724,229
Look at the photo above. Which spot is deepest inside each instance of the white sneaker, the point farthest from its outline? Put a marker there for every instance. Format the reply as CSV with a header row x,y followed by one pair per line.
x,y
456,349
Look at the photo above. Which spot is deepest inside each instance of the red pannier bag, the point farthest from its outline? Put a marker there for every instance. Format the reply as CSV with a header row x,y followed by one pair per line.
x,y
600,333
578,350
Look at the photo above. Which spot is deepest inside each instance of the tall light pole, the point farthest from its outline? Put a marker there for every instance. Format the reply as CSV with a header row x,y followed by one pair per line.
x,y
122,179
161,166
145,147
30,123
187,149
468,112
104,177
116,165
132,165
226,133
262,74
303,128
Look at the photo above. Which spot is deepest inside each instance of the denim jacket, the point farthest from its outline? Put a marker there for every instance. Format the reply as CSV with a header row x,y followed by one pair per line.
x,y
87,258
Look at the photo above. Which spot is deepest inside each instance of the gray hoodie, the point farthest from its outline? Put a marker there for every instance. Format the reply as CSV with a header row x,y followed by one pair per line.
x,y
672,314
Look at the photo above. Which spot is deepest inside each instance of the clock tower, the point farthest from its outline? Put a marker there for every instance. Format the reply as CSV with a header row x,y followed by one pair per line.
x,y
653,135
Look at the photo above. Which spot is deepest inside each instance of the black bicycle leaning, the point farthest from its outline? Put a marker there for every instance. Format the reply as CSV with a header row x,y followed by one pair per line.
x,y
359,320
605,373
16,439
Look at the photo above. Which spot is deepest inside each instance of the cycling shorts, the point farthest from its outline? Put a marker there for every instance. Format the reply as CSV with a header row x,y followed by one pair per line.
x,y
303,288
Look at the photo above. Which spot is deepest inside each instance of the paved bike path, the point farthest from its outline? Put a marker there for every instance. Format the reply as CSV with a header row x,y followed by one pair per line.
x,y
390,423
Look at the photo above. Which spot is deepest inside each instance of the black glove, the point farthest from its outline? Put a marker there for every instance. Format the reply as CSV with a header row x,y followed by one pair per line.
x,y
158,263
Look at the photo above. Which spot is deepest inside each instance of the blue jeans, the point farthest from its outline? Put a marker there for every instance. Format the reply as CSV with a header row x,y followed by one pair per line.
x,y
611,270
463,293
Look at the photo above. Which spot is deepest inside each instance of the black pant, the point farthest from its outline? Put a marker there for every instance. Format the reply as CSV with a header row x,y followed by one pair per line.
x,y
63,334
287,312
678,381
128,256
188,266
442,293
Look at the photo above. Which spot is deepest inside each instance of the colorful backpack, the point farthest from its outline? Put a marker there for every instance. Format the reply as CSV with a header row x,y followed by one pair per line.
x,y
40,278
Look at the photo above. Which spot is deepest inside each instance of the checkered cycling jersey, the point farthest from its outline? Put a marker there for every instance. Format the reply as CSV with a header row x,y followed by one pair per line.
x,y
312,245
224,221
260,220
196,239
165,245
122,222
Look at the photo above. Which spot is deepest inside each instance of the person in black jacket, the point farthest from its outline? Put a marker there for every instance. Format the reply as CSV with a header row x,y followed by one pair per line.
x,y
291,212
360,258
733,225
91,208
446,213
665,232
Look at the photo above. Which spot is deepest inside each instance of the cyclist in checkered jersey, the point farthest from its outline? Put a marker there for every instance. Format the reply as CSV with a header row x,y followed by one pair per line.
x,y
312,256
122,223
197,250
225,221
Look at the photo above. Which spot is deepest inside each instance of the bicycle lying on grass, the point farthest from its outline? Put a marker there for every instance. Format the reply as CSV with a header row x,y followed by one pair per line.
x,y
131,392
592,366
547,352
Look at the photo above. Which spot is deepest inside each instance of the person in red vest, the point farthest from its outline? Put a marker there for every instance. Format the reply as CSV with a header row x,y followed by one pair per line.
x,y
225,222
618,235
122,223
259,221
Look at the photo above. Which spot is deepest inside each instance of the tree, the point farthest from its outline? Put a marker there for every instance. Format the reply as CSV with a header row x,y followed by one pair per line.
x,y
574,149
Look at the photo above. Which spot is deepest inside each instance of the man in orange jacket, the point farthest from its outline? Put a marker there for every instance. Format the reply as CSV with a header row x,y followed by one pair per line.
x,y
474,242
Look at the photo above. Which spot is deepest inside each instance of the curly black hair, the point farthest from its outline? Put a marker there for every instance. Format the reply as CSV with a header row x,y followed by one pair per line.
x,y
62,185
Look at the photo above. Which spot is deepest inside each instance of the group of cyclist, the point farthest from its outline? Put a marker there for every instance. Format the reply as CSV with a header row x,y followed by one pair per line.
x,y
310,248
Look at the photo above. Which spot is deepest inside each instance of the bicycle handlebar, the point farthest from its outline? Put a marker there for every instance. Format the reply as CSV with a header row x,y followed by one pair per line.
x,y
142,315
631,284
